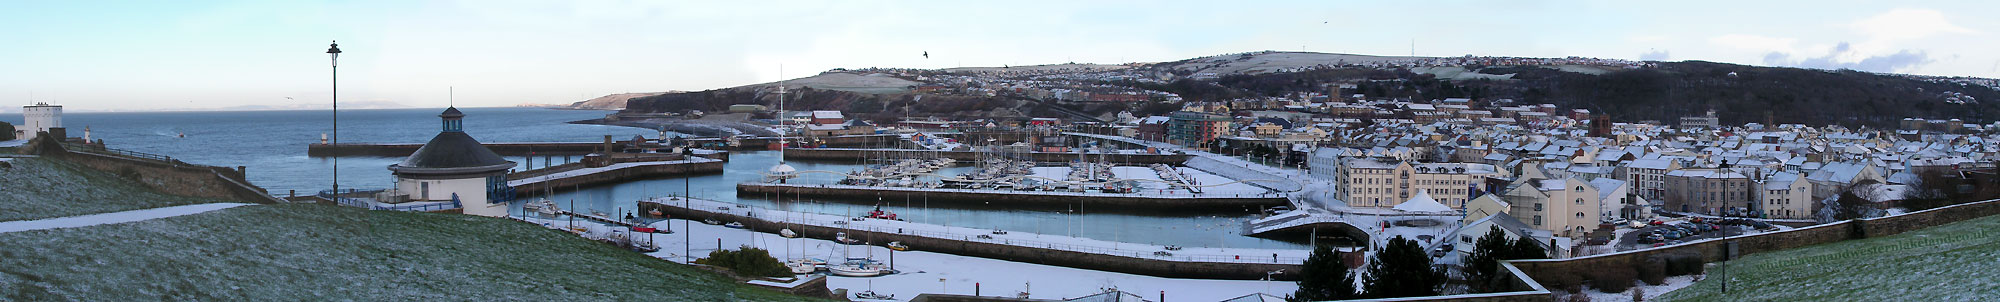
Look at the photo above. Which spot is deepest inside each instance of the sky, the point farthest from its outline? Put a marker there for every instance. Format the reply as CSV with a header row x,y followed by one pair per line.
x,y
200,54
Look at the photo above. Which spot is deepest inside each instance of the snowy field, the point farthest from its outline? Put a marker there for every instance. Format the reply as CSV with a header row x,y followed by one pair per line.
x,y
927,272
1953,262
41,188
309,252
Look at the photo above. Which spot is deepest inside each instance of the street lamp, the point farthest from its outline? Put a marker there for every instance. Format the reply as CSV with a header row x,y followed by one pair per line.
x,y
333,50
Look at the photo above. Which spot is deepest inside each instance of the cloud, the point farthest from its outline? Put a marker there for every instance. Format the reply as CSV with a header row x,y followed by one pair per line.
x,y
1654,55
1896,62
1755,42
1907,24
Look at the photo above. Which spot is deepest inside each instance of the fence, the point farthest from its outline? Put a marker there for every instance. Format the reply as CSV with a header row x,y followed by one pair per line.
x,y
369,203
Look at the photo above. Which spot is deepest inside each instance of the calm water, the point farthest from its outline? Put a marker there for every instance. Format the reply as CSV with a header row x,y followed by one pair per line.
x,y
272,145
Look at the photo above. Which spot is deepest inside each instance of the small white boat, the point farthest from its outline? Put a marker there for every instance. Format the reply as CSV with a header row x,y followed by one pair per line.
x,y
841,237
802,266
788,233
858,268
898,246
871,295
734,225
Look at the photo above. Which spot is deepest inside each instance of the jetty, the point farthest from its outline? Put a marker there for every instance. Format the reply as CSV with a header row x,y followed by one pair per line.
x,y
1066,251
613,168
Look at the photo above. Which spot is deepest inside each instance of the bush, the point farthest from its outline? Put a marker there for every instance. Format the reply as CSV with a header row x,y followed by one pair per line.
x,y
1682,265
1612,280
1652,271
6,131
747,261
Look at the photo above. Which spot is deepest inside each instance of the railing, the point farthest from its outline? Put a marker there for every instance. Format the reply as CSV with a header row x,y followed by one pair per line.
x,y
368,203
73,147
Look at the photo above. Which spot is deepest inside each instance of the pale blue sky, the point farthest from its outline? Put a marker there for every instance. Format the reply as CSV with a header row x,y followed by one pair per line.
x,y
156,55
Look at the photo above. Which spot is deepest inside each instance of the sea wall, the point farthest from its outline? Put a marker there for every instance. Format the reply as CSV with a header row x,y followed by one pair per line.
x,y
850,154
617,175
1115,202
966,247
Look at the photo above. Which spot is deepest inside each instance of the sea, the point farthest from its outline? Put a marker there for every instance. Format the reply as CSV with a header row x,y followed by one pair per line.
x,y
271,146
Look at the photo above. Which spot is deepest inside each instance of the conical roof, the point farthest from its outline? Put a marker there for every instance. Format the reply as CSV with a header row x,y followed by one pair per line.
x,y
452,152
1422,203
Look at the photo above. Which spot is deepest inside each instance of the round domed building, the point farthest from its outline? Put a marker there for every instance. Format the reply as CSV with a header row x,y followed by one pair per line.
x,y
453,166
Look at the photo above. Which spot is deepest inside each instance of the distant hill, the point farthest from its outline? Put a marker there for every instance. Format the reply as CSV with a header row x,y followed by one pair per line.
x,y
1738,93
611,102
1628,92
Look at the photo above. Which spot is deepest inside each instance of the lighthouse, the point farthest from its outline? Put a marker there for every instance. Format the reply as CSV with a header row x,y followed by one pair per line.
x,y
455,167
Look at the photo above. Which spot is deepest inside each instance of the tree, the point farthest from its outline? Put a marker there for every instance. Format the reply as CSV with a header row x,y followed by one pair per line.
x,y
1483,264
1325,277
1849,204
6,131
1402,269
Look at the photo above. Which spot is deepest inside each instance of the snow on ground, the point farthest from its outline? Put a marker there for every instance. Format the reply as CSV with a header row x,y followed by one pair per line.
x,y
928,272
114,217
588,171
1651,291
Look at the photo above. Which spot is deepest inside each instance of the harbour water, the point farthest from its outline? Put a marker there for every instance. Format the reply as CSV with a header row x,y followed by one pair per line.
x,y
272,146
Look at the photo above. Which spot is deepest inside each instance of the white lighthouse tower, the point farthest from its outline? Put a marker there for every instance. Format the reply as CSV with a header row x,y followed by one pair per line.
x,y
39,117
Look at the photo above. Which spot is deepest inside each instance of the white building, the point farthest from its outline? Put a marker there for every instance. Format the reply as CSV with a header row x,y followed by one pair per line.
x,y
39,117
453,166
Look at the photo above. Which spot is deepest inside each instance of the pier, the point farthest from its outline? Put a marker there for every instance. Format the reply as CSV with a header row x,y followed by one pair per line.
x,y
592,172
849,154
1083,253
1114,201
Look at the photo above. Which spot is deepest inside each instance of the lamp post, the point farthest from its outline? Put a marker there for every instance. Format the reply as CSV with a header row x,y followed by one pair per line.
x,y
333,50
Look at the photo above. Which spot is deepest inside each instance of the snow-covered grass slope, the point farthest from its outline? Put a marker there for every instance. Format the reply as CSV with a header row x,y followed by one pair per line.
x,y
37,188
293,252
1953,262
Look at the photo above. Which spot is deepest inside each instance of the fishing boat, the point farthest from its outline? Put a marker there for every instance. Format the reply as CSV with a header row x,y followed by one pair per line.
x,y
788,233
898,246
734,225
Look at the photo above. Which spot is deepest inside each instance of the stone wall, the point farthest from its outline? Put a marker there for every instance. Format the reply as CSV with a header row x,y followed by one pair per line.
x,y
166,175
1093,261
1131,203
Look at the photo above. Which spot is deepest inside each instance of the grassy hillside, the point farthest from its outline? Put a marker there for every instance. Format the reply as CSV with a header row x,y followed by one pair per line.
x,y
1953,262
317,252
36,188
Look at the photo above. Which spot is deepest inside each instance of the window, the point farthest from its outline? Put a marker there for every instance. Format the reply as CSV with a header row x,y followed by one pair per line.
x,y
1538,219
1579,214
424,190
1579,201
1538,207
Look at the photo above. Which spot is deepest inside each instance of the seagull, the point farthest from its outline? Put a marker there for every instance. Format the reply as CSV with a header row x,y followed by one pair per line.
x,y
927,54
